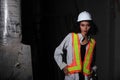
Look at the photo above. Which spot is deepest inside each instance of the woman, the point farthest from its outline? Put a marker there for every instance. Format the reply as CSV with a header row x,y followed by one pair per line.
x,y
80,50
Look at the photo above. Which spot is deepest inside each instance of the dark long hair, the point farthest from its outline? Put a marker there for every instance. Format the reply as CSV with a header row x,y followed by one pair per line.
x,y
93,30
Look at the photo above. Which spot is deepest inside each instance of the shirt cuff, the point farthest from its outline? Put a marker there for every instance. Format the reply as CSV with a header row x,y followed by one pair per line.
x,y
94,68
63,65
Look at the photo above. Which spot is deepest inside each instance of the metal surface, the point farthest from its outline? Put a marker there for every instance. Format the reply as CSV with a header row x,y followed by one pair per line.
x,y
15,57
10,20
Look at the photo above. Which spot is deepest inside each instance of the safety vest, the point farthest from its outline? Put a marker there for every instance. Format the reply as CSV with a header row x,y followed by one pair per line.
x,y
77,65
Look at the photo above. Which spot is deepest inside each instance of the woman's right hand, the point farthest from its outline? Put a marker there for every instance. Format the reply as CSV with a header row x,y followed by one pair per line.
x,y
65,69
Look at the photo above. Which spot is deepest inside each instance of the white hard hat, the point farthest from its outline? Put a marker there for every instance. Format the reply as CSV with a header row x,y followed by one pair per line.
x,y
84,16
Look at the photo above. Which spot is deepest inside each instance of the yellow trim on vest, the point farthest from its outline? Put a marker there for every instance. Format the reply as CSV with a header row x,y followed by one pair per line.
x,y
76,50
76,65
88,57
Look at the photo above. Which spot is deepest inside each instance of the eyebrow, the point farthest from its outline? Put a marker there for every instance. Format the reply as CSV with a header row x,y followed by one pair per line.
x,y
84,24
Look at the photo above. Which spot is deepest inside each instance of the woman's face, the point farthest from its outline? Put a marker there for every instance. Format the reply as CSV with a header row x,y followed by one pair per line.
x,y
84,27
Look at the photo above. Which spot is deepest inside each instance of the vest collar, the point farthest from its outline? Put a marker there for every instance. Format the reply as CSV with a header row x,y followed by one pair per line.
x,y
81,37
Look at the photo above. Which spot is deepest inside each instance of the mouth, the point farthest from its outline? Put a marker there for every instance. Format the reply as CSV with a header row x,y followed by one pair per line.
x,y
85,31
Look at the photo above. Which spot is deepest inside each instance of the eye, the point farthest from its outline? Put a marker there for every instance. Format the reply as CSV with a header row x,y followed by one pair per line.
x,y
88,25
82,25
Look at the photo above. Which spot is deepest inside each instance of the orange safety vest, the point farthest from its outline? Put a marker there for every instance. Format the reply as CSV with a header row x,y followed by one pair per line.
x,y
77,65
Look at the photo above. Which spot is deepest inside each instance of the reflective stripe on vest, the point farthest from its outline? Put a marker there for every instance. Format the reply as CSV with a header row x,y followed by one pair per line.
x,y
88,57
76,65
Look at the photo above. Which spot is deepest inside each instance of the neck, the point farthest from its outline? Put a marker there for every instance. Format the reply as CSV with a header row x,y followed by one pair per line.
x,y
84,35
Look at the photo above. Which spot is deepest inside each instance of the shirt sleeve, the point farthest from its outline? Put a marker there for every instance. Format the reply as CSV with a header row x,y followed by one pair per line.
x,y
59,52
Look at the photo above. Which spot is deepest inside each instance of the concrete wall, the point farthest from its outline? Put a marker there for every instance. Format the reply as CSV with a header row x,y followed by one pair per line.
x,y
15,57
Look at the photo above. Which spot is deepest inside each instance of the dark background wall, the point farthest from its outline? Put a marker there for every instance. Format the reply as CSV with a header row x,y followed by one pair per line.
x,y
45,23
117,41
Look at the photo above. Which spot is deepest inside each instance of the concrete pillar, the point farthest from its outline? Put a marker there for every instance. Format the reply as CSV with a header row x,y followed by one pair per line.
x,y
15,57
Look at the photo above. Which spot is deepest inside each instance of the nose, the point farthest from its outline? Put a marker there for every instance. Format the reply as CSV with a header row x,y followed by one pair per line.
x,y
86,27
